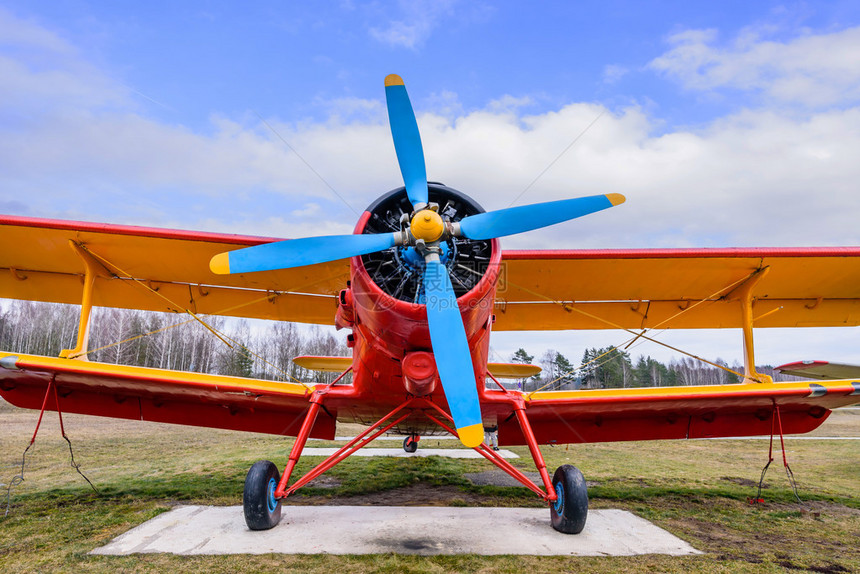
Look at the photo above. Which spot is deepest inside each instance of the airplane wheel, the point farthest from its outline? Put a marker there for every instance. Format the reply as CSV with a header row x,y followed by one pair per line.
x,y
410,444
569,511
262,510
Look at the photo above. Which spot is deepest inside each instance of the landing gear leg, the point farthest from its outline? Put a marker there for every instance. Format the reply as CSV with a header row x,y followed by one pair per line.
x,y
263,488
566,493
569,511
410,443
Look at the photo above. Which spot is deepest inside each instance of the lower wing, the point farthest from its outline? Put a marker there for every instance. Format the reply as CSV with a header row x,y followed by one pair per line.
x,y
607,415
159,395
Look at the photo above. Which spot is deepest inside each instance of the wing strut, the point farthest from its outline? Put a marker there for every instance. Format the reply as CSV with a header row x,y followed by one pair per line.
x,y
744,293
93,269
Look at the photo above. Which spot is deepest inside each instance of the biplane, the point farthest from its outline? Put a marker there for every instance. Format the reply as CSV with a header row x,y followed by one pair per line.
x,y
420,286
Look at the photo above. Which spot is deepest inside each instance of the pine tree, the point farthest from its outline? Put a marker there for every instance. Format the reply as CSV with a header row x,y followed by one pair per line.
x,y
522,357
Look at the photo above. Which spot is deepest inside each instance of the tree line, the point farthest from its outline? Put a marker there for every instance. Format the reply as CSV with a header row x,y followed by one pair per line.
x,y
179,342
169,341
610,367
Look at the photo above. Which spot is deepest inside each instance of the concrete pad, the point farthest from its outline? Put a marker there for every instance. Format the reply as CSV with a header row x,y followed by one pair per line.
x,y
189,530
399,452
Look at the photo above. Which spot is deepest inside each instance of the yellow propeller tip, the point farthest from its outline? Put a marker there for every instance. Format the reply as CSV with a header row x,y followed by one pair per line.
x,y
472,435
393,80
615,198
220,264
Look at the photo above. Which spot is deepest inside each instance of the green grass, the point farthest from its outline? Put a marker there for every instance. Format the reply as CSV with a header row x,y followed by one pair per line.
x,y
698,490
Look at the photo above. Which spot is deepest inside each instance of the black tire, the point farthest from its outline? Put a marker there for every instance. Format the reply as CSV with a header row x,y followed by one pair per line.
x,y
262,510
409,444
569,511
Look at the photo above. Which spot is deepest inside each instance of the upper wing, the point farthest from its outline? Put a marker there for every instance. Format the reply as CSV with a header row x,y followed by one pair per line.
x,y
676,288
163,270
820,370
157,270
678,412
158,395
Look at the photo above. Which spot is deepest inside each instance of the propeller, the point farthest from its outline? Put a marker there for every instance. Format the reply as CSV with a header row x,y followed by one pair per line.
x,y
407,140
299,252
451,350
515,220
426,231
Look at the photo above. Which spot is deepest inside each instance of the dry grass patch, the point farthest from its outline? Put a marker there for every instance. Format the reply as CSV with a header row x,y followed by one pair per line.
x,y
695,489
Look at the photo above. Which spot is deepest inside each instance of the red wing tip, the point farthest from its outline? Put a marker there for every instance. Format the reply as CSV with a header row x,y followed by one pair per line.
x,y
798,365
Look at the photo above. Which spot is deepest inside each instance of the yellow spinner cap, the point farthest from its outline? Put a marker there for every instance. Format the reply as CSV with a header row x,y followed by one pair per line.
x,y
427,225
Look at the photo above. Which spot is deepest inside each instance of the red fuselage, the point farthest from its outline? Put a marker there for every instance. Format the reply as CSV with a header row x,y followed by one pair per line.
x,y
386,330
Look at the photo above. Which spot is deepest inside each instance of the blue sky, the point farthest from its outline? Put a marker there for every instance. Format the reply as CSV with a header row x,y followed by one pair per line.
x,y
724,123
292,60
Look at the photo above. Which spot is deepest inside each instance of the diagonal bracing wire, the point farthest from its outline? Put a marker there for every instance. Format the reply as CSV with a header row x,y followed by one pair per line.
x,y
309,166
194,317
636,335
558,157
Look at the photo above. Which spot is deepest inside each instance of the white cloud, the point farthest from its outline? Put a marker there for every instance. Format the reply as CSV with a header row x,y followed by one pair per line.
x,y
43,72
812,69
752,178
419,19
612,73
24,33
350,109
73,145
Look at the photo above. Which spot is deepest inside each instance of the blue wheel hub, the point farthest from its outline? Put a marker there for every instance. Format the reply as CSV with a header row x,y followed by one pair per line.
x,y
558,506
270,495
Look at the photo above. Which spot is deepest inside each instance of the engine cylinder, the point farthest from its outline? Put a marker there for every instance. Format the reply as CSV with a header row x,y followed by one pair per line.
x,y
387,286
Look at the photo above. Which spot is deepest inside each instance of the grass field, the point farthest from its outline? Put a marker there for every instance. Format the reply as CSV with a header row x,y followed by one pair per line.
x,y
697,490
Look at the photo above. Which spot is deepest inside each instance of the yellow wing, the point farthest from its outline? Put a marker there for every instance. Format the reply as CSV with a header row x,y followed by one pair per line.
x,y
677,288
157,270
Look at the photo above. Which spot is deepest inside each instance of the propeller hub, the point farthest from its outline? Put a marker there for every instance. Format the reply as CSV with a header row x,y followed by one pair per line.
x,y
427,225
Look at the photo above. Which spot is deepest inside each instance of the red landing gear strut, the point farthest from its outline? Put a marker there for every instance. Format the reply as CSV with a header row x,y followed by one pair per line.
x,y
566,493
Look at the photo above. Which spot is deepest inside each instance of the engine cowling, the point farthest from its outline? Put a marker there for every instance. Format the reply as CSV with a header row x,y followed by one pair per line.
x,y
387,293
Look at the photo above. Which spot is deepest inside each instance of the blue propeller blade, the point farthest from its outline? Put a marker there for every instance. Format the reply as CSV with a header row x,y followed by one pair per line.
x,y
451,350
407,140
528,217
298,252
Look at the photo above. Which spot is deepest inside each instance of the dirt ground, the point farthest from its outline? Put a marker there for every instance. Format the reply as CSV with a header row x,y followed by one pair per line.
x,y
421,494
819,536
